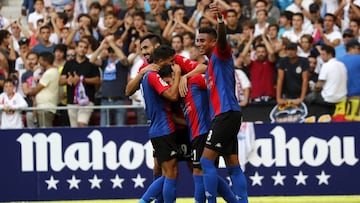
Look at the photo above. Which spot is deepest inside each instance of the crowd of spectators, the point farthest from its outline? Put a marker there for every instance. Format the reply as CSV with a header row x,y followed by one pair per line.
x,y
284,51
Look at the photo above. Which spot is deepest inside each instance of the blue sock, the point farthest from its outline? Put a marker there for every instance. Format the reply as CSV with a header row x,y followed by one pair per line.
x,y
153,190
169,190
239,185
225,191
210,179
159,199
199,194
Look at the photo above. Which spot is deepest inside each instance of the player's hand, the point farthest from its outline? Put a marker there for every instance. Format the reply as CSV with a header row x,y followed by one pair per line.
x,y
215,9
183,89
150,67
176,68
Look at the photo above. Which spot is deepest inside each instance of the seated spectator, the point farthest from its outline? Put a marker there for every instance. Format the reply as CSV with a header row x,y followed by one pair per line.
x,y
313,76
340,50
242,87
11,105
36,15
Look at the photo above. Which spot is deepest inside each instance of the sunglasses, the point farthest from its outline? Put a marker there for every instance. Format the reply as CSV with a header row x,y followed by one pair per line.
x,y
70,54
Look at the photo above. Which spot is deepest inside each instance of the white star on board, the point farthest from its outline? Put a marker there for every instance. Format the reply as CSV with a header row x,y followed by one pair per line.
x,y
256,179
301,178
323,178
73,182
52,183
278,179
117,181
95,182
139,181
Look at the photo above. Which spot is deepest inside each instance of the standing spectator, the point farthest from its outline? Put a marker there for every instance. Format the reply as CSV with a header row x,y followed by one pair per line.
x,y
178,45
36,15
27,83
293,77
70,75
27,7
261,22
44,44
11,104
47,90
272,33
7,52
331,85
69,11
154,20
262,70
353,67
330,36
297,30
17,32
305,48
130,10
20,62
340,50
115,72
285,22
59,62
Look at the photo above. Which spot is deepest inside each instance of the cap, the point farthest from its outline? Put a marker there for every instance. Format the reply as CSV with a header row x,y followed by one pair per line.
x,y
348,32
291,45
352,43
23,40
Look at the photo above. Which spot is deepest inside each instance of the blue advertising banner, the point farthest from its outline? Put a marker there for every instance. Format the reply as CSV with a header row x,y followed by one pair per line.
x,y
116,163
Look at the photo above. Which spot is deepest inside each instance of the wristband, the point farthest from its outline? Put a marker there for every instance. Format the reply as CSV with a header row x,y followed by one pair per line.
x,y
220,19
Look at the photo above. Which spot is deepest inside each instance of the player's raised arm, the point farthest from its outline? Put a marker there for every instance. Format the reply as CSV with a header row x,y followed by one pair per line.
x,y
221,31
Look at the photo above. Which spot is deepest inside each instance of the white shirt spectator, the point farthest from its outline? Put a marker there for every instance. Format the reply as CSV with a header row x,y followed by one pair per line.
x,y
334,73
333,36
259,31
242,82
34,17
12,119
293,37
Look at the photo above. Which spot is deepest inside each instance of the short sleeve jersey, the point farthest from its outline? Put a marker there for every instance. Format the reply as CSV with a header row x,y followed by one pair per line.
x,y
221,82
196,106
158,109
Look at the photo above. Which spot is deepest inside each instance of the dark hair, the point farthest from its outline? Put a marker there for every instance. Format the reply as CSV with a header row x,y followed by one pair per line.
x,y
62,16
45,27
32,53
48,57
231,11
178,36
62,48
154,39
9,80
94,43
263,1
236,1
331,15
3,34
165,71
299,14
328,49
274,25
287,14
248,23
23,40
96,5
140,13
85,15
208,30
162,52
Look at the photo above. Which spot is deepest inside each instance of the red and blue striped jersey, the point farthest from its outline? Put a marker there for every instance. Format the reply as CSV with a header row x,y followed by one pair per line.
x,y
196,106
221,82
158,109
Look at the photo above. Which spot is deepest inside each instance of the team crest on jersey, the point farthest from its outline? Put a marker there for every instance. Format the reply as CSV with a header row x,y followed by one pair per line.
x,y
288,113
